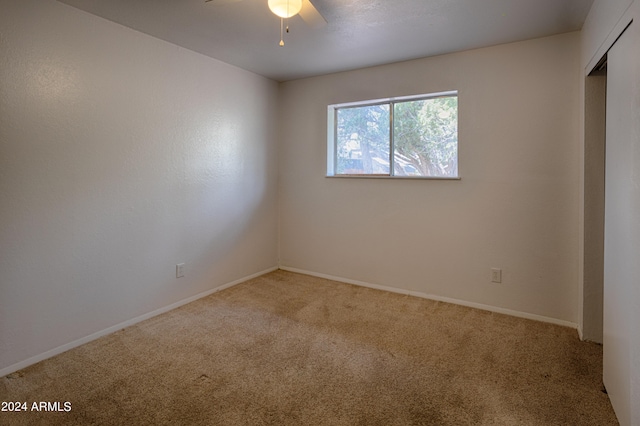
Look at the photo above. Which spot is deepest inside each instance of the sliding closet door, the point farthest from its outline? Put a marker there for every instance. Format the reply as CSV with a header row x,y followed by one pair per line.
x,y
622,224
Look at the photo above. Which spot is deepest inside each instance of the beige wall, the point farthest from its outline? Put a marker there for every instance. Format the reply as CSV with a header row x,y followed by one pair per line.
x,y
121,156
515,208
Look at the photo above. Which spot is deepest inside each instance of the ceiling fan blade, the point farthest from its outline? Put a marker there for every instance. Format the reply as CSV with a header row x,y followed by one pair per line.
x,y
220,2
311,16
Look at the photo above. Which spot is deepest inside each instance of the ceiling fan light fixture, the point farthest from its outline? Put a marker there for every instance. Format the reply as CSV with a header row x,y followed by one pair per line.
x,y
285,8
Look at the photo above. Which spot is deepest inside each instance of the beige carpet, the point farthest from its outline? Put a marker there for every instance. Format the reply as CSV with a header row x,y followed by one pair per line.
x,y
288,349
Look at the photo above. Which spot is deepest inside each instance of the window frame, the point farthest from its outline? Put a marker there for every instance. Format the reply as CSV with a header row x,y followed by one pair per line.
x,y
332,136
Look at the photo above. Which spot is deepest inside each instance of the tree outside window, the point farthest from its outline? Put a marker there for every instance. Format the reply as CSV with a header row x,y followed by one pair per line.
x,y
421,133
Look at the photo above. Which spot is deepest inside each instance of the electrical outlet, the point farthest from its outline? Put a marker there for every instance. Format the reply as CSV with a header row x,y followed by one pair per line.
x,y
180,270
496,275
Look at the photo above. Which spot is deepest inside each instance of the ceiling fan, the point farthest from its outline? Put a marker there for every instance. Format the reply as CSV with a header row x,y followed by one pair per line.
x,y
285,9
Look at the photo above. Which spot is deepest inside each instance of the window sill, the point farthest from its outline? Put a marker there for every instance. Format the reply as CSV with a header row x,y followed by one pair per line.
x,y
393,177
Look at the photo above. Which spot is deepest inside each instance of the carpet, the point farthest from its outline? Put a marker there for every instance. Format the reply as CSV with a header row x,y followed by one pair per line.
x,y
290,349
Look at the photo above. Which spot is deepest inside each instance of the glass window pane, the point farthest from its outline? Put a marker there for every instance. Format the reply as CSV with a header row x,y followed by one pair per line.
x,y
425,136
362,145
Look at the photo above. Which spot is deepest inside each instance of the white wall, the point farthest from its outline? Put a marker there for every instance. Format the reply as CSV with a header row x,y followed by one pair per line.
x,y
120,156
605,23
619,255
599,30
517,204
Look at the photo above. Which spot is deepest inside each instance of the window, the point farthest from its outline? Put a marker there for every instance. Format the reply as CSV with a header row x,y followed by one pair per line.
x,y
401,137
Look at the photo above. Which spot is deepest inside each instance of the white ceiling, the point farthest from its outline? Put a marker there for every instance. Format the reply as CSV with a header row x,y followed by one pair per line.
x,y
359,33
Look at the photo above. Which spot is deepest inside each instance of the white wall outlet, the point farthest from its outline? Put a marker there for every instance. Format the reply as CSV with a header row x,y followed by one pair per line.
x,y
496,275
180,270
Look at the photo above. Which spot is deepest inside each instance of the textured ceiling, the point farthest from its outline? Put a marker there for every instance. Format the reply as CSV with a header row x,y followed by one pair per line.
x,y
359,33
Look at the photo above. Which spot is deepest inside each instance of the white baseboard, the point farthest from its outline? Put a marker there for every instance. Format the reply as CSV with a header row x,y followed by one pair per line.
x,y
490,308
580,332
60,349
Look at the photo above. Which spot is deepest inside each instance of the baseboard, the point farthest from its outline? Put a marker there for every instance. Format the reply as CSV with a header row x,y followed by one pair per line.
x,y
490,308
580,332
60,349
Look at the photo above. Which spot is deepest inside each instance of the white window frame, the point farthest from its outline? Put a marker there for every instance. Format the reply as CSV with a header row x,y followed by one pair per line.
x,y
332,111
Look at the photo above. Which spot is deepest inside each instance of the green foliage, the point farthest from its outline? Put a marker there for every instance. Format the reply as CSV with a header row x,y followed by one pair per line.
x,y
363,138
425,134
